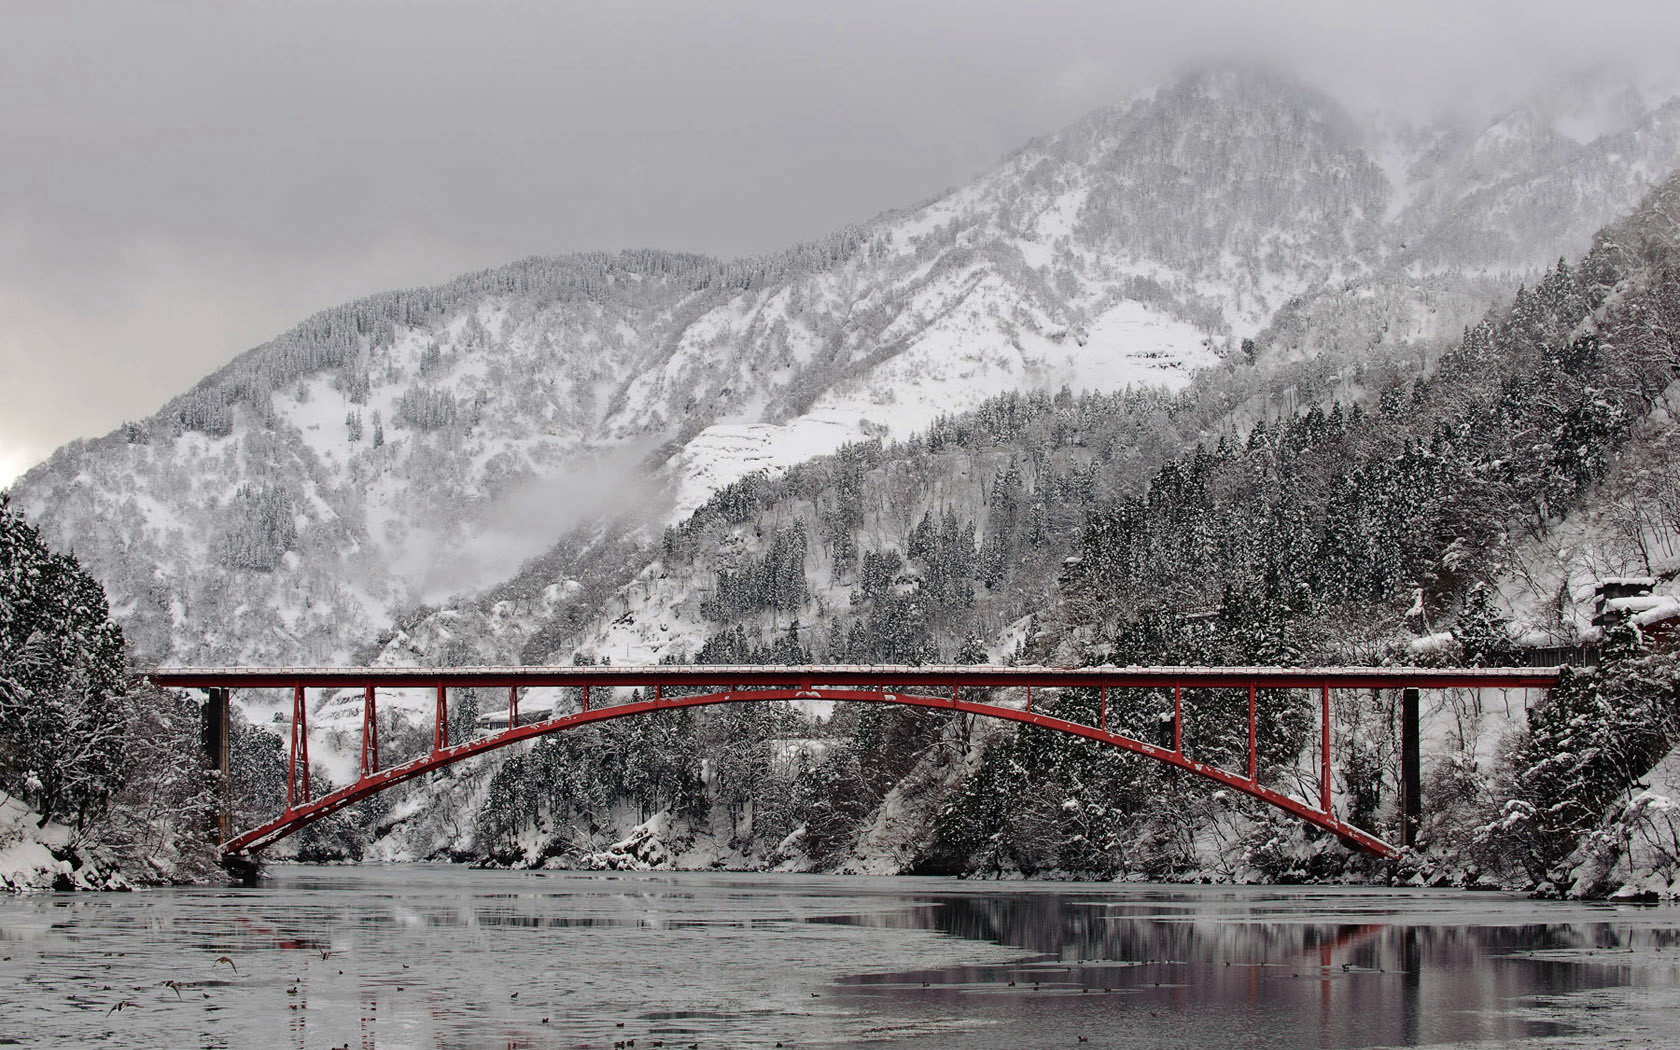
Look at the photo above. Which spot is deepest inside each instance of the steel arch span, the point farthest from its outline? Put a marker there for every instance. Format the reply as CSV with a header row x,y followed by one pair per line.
x,y
911,687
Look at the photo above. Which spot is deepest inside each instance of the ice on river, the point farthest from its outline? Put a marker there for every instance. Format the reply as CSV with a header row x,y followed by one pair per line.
x,y
433,956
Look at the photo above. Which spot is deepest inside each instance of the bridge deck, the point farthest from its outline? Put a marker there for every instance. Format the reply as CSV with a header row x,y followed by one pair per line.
x,y
840,675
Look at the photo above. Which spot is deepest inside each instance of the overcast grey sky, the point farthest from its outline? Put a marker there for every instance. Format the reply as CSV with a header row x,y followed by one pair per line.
x,y
180,181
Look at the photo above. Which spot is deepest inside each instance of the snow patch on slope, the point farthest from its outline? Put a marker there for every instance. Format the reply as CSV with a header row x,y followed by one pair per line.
x,y
952,368
721,455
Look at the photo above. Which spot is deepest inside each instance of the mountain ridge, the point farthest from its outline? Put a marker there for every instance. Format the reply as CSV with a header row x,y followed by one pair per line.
x,y
358,463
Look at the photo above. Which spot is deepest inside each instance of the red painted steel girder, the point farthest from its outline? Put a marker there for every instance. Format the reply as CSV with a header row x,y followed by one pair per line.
x,y
882,684
296,818
853,675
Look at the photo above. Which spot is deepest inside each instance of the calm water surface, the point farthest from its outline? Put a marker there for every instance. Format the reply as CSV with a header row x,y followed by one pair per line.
x,y
431,957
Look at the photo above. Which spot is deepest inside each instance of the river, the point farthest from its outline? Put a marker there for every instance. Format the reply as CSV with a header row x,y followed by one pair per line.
x,y
424,956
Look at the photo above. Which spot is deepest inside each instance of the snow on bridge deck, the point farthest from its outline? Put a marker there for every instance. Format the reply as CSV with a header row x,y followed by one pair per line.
x,y
852,674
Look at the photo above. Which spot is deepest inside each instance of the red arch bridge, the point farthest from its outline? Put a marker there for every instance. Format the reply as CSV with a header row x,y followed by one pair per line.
x,y
994,692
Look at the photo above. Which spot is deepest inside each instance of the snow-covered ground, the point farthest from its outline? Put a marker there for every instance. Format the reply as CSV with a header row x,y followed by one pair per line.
x,y
26,851
33,857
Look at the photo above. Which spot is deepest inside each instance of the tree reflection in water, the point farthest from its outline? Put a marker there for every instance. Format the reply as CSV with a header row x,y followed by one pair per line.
x,y
1163,967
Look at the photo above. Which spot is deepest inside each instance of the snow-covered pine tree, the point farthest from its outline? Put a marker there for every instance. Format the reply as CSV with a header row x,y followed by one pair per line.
x,y
61,679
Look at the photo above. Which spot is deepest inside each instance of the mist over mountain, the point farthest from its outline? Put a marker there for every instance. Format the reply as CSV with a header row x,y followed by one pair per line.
x,y
421,444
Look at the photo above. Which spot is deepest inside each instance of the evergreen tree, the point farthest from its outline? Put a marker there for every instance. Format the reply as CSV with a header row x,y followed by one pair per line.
x,y
1482,630
1598,733
61,680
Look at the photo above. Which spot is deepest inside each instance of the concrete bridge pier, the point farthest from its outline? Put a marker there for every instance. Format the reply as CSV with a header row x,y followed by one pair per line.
x,y
1411,769
218,749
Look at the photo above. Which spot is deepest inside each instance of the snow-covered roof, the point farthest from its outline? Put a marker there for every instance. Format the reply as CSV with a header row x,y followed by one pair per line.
x,y
1645,610
1595,588
1640,603
1666,607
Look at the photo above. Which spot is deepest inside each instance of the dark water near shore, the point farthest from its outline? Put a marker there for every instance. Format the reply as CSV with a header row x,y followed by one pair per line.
x,y
424,957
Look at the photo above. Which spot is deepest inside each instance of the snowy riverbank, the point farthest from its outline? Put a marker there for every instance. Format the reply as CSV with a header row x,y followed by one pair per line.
x,y
44,857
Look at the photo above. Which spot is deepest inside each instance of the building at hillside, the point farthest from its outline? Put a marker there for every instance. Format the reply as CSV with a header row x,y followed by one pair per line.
x,y
1636,599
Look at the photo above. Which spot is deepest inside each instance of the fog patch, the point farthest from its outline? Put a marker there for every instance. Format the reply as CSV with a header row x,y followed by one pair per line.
x,y
529,518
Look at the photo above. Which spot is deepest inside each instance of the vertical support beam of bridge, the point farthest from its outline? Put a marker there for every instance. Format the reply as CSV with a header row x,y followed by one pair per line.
x,y
1102,710
297,770
513,706
1253,734
1324,751
1178,719
1411,769
370,731
440,727
218,750
586,698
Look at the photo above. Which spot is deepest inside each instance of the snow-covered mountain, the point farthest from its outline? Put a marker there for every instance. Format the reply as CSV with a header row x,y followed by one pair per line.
x,y
422,444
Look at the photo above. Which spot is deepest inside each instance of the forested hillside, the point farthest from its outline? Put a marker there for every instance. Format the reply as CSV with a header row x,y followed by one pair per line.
x,y
1070,528
417,446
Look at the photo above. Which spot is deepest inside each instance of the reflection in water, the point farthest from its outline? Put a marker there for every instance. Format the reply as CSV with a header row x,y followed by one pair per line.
x,y
444,957
1296,975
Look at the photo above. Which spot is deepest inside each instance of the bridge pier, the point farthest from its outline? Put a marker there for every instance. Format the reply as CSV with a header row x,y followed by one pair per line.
x,y
440,724
1324,785
218,749
297,767
1253,732
1411,769
370,731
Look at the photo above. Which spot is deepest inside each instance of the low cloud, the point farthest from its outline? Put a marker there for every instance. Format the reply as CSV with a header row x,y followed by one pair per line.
x,y
185,181
531,517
